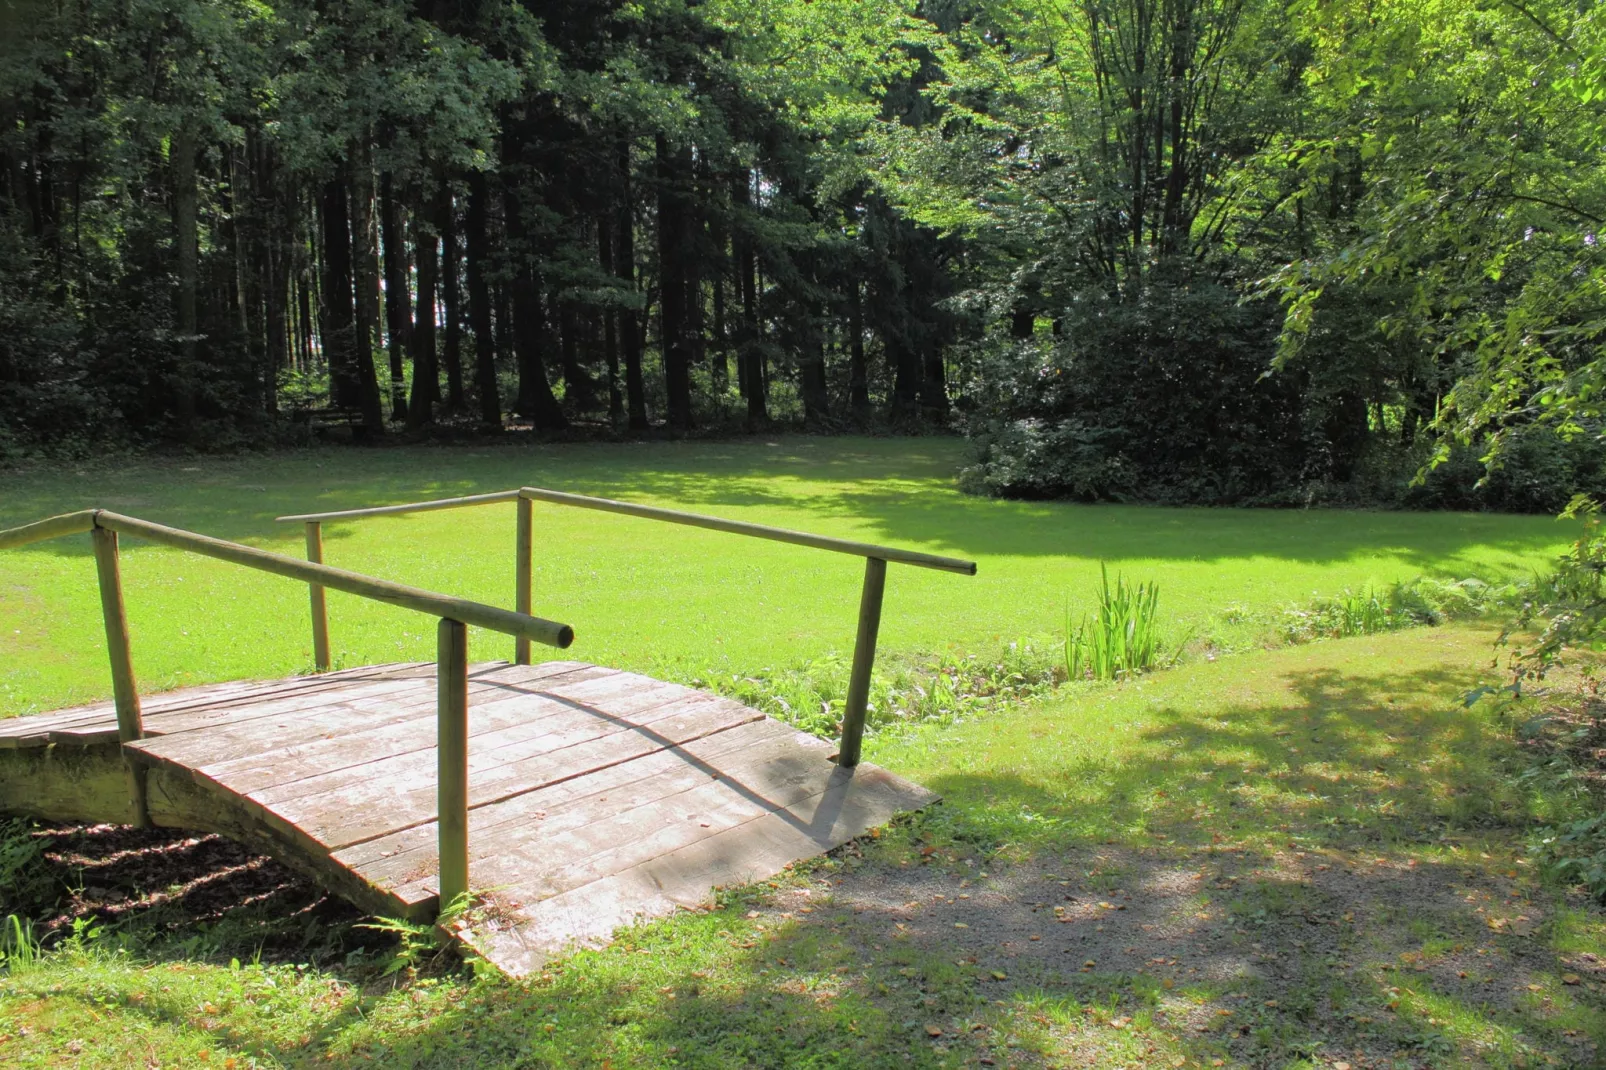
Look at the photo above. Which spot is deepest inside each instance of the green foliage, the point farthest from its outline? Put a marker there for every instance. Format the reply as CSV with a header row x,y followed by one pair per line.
x,y
1575,853
1120,638
904,691
26,887
419,943
1462,158
1077,416
1423,601
19,947
1571,599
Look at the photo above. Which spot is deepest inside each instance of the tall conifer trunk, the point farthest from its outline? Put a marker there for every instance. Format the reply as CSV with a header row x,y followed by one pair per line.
x,y
365,275
186,239
750,353
479,301
858,371
398,300
610,319
451,295
336,317
630,329
674,167
426,372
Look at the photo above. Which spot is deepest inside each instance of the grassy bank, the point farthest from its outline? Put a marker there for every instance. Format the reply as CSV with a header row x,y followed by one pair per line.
x,y
1298,858
673,601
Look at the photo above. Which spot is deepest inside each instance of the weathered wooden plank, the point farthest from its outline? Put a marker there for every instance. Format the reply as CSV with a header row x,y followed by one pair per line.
x,y
604,839
83,724
346,756
239,739
318,767
229,721
853,802
551,728
303,693
105,711
347,814
594,797
567,804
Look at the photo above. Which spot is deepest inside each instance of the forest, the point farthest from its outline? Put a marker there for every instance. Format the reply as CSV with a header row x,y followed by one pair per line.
x,y
1190,251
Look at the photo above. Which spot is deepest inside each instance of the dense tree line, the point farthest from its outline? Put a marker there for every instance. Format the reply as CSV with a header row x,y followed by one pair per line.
x,y
1195,250
579,211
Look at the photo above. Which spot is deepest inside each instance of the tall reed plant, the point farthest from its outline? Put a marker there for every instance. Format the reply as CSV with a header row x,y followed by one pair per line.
x,y
1121,637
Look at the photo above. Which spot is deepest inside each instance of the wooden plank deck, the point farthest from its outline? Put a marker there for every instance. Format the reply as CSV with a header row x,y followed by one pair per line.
x,y
597,797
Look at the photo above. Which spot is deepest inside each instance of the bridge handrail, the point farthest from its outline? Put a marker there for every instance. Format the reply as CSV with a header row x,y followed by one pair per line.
x,y
875,572
653,512
451,647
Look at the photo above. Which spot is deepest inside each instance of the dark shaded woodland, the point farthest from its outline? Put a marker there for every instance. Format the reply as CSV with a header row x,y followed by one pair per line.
x,y
1184,250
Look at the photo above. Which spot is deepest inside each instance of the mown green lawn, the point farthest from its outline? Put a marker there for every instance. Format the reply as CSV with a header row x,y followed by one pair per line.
x,y
673,601
1307,857
1299,857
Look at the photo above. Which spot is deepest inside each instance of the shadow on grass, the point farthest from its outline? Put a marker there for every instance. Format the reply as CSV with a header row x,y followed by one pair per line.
x,y
1364,903
901,488
1348,761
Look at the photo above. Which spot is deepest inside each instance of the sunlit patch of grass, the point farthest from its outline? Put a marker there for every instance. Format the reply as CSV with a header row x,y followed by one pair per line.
x,y
675,602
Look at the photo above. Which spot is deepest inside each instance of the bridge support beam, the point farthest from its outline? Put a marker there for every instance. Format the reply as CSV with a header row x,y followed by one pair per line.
x,y
451,805
319,603
875,585
130,726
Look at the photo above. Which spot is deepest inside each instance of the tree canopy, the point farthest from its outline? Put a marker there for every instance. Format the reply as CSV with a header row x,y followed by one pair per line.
x,y
1194,250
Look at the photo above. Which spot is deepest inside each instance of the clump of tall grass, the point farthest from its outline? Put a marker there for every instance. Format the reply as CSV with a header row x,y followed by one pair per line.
x,y
1369,610
1121,637
19,947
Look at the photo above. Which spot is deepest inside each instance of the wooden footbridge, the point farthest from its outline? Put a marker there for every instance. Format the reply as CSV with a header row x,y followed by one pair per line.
x,y
530,807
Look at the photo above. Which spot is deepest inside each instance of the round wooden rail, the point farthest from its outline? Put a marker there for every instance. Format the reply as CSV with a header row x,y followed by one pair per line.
x,y
455,615
875,573
536,629
653,512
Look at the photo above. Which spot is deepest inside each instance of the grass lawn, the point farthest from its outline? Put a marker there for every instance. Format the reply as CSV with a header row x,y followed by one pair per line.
x,y
1307,857
672,601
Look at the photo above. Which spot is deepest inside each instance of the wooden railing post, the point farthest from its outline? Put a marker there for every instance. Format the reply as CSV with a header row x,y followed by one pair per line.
x,y
320,606
130,725
523,563
875,583
451,800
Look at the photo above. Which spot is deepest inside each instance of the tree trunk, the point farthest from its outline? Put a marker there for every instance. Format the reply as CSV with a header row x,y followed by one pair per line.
x,y
479,301
610,335
624,264
858,372
528,318
934,383
336,318
674,169
364,240
426,373
398,299
906,377
451,295
811,376
186,239
749,353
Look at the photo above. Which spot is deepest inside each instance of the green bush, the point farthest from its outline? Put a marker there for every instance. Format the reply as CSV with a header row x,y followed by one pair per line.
x,y
1422,601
